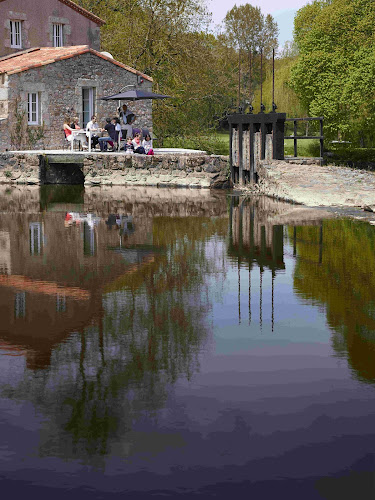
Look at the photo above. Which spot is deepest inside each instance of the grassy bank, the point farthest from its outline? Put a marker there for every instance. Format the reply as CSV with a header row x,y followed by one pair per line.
x,y
218,143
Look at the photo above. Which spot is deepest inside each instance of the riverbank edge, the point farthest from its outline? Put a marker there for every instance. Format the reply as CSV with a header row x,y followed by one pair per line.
x,y
115,169
341,190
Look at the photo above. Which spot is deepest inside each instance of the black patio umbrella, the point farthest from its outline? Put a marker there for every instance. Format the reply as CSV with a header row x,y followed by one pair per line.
x,y
135,95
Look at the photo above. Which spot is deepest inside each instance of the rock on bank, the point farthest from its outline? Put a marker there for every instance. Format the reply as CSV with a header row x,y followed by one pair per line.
x,y
315,185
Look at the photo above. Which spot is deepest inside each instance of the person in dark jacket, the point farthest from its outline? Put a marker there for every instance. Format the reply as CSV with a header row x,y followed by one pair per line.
x,y
111,138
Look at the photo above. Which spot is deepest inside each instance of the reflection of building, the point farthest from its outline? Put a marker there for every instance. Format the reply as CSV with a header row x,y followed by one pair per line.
x,y
113,327
5,259
52,276
36,238
55,275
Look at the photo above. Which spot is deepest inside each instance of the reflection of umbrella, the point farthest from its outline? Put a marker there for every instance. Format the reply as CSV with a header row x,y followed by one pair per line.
x,y
135,95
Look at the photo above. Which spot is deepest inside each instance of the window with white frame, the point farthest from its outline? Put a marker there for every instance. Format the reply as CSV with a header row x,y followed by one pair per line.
x,y
16,34
58,35
33,108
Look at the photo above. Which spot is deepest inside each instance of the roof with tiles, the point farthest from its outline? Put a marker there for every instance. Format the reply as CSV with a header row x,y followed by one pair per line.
x,y
83,11
41,56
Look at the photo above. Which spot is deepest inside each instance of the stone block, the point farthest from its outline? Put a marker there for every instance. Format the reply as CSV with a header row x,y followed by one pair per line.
x,y
211,168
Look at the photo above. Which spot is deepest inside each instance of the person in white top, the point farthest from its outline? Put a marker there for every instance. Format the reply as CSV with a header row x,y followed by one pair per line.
x,y
95,130
147,144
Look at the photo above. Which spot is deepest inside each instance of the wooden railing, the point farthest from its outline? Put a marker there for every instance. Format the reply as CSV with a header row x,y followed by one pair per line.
x,y
296,137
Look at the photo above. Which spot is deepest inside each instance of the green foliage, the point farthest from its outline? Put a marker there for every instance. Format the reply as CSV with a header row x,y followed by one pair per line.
x,y
342,280
346,154
285,97
214,144
335,72
171,42
307,147
22,135
247,28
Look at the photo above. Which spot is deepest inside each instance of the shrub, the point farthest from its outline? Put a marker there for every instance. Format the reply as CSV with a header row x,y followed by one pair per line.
x,y
213,144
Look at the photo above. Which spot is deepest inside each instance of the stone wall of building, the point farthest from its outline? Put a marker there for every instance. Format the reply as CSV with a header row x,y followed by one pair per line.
x,y
37,19
103,169
59,86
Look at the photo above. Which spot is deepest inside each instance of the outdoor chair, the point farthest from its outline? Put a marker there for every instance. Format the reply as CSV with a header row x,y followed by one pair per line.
x,y
67,144
120,138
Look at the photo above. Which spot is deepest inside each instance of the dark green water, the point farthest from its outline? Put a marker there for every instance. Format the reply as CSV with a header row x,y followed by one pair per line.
x,y
160,343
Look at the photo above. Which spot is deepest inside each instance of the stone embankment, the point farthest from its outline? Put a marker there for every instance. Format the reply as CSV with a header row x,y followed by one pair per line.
x,y
165,170
314,185
115,169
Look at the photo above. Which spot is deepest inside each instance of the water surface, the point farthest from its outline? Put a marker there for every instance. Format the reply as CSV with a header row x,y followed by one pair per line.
x,y
171,343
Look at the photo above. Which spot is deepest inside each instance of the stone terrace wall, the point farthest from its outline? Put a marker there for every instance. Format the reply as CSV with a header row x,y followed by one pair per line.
x,y
193,171
19,168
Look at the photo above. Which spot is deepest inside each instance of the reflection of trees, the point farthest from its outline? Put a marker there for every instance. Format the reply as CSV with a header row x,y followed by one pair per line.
x,y
106,377
340,274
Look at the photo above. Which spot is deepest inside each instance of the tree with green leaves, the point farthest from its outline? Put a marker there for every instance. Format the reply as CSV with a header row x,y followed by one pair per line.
x,y
335,72
170,41
247,28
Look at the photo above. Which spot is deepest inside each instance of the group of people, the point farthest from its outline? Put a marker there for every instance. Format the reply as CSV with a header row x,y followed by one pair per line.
x,y
116,128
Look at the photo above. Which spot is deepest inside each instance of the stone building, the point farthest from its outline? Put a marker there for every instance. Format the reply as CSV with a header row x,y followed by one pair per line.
x,y
45,84
43,79
46,23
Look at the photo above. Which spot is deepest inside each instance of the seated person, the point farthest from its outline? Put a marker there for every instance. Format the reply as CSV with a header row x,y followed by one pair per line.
x,y
68,130
129,148
93,127
147,145
74,125
111,138
80,138
138,148
127,118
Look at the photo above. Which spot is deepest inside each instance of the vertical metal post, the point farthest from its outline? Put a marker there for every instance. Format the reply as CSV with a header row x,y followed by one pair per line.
x,y
250,84
239,81
295,138
321,140
274,107
262,107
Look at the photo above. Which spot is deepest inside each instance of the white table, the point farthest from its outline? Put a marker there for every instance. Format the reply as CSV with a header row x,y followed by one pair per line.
x,y
82,136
